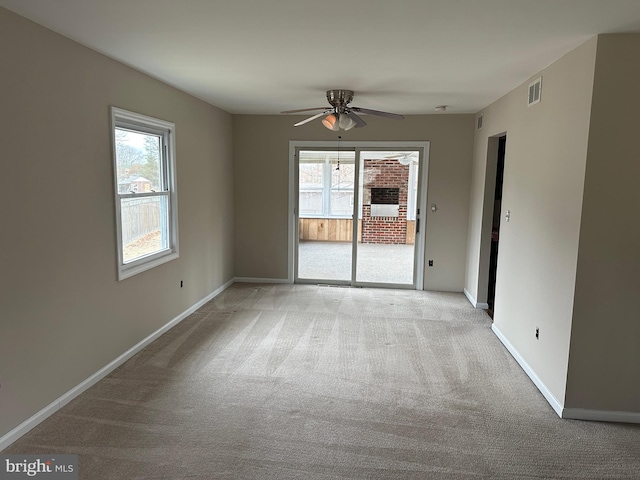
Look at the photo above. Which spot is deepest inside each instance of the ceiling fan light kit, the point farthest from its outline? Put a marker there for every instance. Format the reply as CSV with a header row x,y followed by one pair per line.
x,y
338,121
341,115
331,122
346,123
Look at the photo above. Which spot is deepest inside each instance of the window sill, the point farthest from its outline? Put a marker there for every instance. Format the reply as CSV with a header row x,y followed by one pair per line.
x,y
126,271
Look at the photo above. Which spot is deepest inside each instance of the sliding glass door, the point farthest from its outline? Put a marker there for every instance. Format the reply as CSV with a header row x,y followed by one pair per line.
x,y
325,219
357,216
388,189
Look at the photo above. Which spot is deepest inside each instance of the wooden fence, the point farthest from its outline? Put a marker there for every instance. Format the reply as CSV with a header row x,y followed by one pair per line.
x,y
139,217
338,230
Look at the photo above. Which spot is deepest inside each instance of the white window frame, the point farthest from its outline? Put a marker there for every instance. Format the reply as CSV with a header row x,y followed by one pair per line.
x,y
166,131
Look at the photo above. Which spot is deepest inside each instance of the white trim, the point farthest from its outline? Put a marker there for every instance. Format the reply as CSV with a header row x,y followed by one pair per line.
x,y
57,404
601,415
292,224
28,424
421,205
158,259
561,411
262,280
473,301
137,122
555,404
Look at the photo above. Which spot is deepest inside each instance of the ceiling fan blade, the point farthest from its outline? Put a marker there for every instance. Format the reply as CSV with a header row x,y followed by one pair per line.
x,y
395,116
359,122
404,158
310,119
304,110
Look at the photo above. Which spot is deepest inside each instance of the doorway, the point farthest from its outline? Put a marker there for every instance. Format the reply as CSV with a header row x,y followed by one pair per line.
x,y
495,226
356,214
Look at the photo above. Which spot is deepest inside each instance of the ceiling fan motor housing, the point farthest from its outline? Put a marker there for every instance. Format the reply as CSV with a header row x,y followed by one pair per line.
x,y
339,99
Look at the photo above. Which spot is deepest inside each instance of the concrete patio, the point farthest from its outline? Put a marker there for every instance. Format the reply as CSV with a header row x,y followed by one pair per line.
x,y
331,261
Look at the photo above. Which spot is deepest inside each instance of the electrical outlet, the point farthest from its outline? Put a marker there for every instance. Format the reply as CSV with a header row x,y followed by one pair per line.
x,y
431,263
537,333
181,284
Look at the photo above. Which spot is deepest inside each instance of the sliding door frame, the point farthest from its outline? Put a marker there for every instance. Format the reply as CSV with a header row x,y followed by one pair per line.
x,y
423,171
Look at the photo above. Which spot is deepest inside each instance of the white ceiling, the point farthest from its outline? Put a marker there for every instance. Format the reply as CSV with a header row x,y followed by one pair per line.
x,y
405,56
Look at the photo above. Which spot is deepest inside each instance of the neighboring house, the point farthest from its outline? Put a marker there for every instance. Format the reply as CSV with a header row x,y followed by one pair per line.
x,y
134,184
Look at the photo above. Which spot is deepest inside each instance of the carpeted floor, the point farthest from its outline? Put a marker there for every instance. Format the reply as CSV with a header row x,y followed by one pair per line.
x,y
309,382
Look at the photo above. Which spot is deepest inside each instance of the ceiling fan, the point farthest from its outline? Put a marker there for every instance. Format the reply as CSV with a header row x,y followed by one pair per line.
x,y
404,158
341,115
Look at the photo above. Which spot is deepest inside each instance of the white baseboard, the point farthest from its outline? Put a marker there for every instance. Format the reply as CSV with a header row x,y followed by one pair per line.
x,y
601,415
555,404
473,301
260,280
54,406
28,424
566,413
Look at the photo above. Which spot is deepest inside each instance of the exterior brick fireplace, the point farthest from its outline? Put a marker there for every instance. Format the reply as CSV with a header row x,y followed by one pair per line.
x,y
384,209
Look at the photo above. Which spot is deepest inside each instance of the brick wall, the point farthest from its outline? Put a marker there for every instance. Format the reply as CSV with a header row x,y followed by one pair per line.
x,y
385,174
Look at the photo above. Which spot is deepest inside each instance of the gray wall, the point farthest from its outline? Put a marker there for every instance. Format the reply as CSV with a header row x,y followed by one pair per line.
x,y
569,261
543,184
261,144
604,362
63,314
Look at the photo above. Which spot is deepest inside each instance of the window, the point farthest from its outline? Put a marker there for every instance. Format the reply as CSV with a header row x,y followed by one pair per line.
x,y
326,184
145,191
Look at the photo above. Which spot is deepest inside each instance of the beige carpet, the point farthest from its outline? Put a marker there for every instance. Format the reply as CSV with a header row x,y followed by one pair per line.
x,y
308,382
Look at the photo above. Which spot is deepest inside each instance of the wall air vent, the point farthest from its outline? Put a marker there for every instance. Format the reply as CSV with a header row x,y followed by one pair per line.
x,y
535,92
479,122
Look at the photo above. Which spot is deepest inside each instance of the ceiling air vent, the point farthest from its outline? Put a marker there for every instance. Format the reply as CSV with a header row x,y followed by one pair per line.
x,y
535,91
479,122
